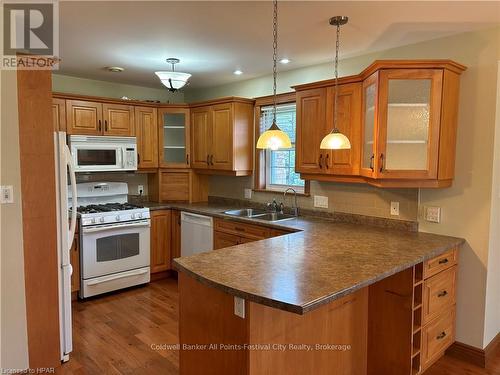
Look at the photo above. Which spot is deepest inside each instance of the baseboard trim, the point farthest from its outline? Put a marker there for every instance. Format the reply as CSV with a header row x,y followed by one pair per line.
x,y
471,354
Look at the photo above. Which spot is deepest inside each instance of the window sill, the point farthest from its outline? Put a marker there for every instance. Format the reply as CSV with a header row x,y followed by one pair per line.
x,y
280,192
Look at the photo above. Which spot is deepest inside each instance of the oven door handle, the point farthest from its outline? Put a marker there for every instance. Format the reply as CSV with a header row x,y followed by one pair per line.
x,y
103,228
105,279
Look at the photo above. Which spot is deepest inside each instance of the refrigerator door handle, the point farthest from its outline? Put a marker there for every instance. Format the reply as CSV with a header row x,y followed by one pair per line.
x,y
74,204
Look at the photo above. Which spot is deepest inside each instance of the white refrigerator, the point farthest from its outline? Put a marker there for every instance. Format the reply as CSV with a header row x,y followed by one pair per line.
x,y
65,234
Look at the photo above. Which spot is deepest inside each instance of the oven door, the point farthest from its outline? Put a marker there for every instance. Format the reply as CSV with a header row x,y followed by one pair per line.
x,y
97,157
113,248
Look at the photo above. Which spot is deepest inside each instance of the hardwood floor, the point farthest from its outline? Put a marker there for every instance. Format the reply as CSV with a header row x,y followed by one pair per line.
x,y
114,334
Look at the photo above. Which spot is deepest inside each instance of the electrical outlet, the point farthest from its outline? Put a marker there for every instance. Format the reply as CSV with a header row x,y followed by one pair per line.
x,y
395,208
320,201
433,214
140,189
7,194
248,193
239,307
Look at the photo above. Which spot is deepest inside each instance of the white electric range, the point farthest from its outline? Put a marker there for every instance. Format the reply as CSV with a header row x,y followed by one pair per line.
x,y
114,238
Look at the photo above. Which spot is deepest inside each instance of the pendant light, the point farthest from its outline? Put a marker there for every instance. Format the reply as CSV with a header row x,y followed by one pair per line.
x,y
336,140
171,79
274,138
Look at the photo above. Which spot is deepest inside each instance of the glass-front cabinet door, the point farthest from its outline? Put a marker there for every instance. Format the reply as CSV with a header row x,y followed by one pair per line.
x,y
369,121
174,137
408,124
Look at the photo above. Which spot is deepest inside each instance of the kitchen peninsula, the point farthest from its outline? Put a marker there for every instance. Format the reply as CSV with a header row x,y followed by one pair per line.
x,y
349,298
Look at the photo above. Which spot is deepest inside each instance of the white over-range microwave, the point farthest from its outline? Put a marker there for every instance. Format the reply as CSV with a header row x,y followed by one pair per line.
x,y
103,154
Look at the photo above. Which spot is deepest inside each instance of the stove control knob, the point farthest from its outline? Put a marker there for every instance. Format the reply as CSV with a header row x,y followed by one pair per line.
x,y
117,218
132,216
92,220
139,215
101,219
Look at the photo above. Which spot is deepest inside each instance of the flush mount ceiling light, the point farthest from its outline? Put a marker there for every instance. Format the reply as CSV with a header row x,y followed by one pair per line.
x,y
274,138
284,60
336,140
171,79
115,69
238,72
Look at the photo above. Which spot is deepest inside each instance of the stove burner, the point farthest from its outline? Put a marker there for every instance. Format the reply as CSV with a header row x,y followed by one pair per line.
x,y
108,207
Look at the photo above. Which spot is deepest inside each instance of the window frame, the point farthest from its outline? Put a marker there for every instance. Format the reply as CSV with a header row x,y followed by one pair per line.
x,y
262,168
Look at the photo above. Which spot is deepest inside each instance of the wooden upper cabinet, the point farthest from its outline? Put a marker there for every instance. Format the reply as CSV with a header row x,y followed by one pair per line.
x,y
161,222
59,114
200,137
174,137
83,117
345,162
146,132
118,120
315,119
311,128
221,151
222,137
401,120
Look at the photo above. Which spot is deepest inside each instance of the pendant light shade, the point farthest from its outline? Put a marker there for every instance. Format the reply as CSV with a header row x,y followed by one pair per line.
x,y
336,140
274,138
171,79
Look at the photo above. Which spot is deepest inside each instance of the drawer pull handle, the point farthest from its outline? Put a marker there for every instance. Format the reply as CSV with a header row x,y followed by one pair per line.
x,y
443,261
240,229
441,336
443,293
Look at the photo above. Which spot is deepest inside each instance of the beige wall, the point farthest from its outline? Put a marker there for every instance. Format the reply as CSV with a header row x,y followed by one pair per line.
x,y
14,341
83,86
133,180
466,205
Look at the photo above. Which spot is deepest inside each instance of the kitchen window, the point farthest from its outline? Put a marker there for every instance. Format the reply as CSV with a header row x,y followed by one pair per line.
x,y
276,168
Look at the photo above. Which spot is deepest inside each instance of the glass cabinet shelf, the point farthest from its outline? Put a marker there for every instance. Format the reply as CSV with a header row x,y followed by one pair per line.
x,y
174,138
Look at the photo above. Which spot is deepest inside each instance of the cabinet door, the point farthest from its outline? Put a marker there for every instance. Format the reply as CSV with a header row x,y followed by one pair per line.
x,y
59,114
160,240
221,147
311,128
200,137
409,119
222,240
75,264
176,235
83,117
345,162
174,138
118,119
146,131
369,123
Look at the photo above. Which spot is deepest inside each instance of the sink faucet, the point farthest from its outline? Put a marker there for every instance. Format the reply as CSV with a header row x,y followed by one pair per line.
x,y
295,209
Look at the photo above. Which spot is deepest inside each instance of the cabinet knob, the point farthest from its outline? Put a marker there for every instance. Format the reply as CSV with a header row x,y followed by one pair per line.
x,y
371,162
105,125
381,169
443,261
138,158
208,159
320,162
187,159
99,124
443,293
326,160
212,159
441,336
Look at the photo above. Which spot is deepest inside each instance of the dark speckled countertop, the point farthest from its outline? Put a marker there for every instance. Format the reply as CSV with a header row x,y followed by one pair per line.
x,y
301,271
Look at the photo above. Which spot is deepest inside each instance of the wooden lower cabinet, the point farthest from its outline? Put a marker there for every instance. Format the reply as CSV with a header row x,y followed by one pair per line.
x,y
75,263
222,240
178,185
161,222
176,235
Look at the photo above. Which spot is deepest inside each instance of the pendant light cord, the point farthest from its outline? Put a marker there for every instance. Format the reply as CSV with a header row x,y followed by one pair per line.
x,y
337,47
275,54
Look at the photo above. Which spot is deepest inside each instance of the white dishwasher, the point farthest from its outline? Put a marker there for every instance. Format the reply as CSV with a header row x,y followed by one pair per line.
x,y
197,233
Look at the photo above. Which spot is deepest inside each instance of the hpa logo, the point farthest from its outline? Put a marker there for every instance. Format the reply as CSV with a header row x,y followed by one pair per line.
x,y
30,28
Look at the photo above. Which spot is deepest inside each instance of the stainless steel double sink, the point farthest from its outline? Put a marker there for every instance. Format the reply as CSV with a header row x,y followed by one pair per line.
x,y
253,213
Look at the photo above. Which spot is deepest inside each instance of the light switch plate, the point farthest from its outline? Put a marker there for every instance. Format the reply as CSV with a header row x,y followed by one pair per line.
x,y
433,214
248,193
7,194
239,307
320,201
395,208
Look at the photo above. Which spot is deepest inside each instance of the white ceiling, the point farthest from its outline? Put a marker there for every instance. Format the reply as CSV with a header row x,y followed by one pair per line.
x,y
213,38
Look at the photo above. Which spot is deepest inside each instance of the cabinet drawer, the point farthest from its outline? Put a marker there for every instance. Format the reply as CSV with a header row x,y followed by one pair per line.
x,y
437,336
247,230
439,293
440,263
222,240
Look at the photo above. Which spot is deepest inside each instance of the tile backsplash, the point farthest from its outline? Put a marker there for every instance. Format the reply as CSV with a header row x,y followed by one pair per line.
x,y
349,198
